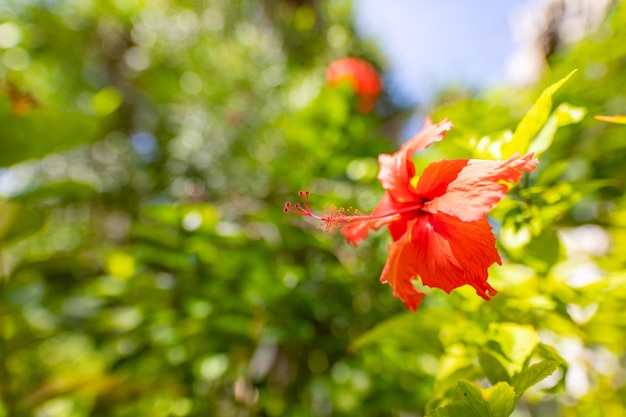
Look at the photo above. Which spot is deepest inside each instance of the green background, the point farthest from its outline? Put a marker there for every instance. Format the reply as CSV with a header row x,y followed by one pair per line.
x,y
147,269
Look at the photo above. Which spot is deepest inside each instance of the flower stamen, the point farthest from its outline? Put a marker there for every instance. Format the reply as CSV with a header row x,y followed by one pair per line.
x,y
334,218
302,209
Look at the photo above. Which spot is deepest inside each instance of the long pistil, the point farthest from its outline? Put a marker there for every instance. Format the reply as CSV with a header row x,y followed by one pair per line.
x,y
337,217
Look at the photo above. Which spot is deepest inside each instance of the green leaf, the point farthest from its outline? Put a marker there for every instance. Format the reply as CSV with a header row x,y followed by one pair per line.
x,y
533,375
565,114
517,342
61,192
453,368
405,330
533,121
43,131
543,251
18,221
549,353
492,367
497,401
490,147
559,199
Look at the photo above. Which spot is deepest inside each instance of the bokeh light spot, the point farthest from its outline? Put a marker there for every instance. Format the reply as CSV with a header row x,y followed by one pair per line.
x,y
10,35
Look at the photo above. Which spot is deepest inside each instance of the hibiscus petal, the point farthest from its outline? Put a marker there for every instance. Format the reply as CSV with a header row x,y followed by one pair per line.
x,y
477,188
356,231
399,226
437,176
399,271
451,253
397,170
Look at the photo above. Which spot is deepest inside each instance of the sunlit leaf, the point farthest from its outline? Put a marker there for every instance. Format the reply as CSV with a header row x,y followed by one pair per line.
x,y
456,364
543,251
492,368
533,375
496,401
550,354
563,115
533,121
517,342
403,329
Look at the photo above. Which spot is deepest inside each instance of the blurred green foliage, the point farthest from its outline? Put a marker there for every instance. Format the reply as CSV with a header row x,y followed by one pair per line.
x,y
146,267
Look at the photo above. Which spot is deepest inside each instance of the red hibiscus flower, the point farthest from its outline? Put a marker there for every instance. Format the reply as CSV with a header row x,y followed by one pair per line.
x,y
361,75
439,226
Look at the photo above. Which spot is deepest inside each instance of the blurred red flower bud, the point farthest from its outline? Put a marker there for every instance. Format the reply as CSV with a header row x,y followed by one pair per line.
x,y
361,75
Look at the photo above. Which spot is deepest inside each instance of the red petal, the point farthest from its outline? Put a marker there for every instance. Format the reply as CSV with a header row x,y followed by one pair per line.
x,y
399,226
445,253
478,187
437,176
399,271
451,253
356,231
397,170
